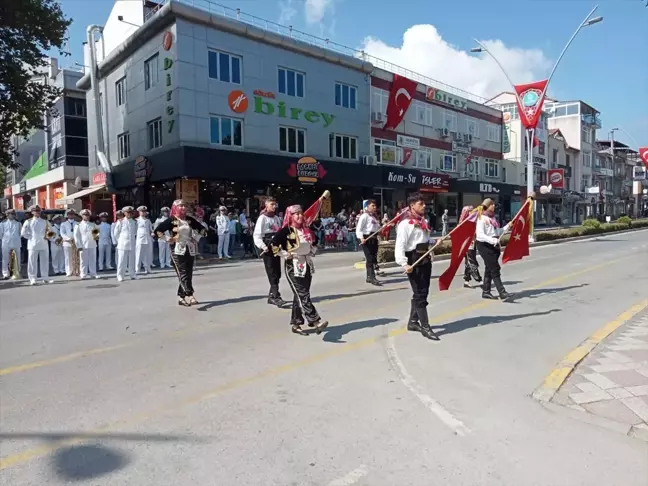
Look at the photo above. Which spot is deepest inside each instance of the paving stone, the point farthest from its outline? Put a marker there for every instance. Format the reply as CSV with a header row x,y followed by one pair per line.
x,y
627,378
638,405
601,381
610,367
613,410
628,347
587,387
643,371
588,397
637,356
577,407
638,391
616,356
619,393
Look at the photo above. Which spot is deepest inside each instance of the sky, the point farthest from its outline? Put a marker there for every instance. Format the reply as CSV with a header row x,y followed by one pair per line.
x,y
606,65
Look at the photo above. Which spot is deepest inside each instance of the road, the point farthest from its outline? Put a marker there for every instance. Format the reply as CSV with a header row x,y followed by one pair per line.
x,y
109,384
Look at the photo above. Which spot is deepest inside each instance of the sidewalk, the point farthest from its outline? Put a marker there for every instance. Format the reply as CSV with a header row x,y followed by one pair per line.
x,y
612,381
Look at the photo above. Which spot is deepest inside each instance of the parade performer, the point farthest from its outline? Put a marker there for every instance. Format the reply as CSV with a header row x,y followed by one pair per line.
x,y
86,234
124,236
366,226
488,245
67,233
412,242
143,241
105,243
471,266
186,232
164,255
56,251
297,244
266,226
37,231
10,230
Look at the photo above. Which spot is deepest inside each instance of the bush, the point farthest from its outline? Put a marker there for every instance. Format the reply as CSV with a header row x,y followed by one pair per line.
x,y
624,220
592,223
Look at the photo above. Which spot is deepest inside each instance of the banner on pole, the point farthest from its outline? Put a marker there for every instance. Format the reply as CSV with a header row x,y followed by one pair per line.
x,y
643,153
530,98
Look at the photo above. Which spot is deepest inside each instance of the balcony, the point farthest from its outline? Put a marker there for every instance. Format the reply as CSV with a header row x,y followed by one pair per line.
x,y
592,120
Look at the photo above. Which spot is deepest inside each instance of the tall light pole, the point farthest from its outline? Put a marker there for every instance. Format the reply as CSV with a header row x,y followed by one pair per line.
x,y
589,20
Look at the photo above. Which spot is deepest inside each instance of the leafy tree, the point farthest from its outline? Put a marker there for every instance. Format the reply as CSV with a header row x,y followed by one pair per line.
x,y
28,29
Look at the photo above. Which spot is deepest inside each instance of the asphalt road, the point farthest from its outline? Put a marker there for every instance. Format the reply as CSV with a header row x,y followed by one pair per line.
x,y
114,384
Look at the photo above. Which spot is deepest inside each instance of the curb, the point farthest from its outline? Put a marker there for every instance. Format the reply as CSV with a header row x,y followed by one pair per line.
x,y
545,392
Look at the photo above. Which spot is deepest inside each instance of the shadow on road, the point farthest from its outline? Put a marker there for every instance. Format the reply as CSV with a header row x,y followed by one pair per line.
x,y
205,306
477,321
334,334
350,295
534,293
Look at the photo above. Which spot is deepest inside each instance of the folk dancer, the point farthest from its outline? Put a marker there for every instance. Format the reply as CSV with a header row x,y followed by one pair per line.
x,y
223,229
266,226
124,237
68,228
297,244
186,231
86,234
164,255
367,225
143,242
471,266
412,242
488,245
105,243
10,231
35,231
56,252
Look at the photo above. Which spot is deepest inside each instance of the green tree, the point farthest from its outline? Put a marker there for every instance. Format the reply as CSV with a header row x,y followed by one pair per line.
x,y
28,29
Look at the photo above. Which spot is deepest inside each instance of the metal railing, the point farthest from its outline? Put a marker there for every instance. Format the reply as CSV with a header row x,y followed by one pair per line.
x,y
288,31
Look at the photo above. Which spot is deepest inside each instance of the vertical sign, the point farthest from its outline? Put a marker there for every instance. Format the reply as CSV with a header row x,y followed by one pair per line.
x,y
167,42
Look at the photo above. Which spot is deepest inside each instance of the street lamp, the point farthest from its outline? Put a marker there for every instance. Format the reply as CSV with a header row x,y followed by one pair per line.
x,y
589,20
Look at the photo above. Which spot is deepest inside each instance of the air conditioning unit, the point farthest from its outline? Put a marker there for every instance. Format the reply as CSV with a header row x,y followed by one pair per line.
x,y
369,159
457,136
377,117
467,137
444,132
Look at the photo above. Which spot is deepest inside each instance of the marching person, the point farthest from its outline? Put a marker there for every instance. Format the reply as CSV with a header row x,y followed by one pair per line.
x,y
471,266
488,233
124,237
296,243
105,243
67,233
186,231
10,231
222,225
56,252
412,242
36,231
86,234
265,228
143,241
164,255
368,224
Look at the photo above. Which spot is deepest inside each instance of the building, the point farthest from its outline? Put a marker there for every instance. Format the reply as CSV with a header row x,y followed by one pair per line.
x,y
562,159
616,175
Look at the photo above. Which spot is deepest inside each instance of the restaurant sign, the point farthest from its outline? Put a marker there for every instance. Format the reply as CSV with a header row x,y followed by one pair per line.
x,y
307,170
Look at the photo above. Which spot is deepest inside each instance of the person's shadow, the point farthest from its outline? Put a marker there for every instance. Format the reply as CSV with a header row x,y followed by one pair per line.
x,y
478,321
205,306
535,293
334,334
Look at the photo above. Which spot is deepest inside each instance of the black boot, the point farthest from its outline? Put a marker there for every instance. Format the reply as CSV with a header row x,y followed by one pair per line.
x,y
486,290
426,330
413,322
371,276
499,285
276,300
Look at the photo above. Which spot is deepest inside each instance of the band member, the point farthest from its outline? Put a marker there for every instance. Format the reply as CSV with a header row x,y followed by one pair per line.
x,y
35,231
297,244
164,255
119,215
56,252
471,266
144,241
86,234
266,226
67,233
366,226
186,231
105,243
412,242
124,237
488,233
10,230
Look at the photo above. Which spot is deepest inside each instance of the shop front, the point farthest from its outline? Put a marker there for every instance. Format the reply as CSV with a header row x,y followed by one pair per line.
x,y
507,197
396,184
435,189
49,189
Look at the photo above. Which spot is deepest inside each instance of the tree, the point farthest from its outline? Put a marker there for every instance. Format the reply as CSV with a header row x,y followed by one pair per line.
x,y
28,29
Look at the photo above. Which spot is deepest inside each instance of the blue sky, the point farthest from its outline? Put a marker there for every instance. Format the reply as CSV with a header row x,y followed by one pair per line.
x,y
603,67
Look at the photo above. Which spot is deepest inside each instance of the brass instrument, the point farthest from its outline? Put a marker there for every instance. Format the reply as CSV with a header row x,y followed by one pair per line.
x,y
95,233
75,264
49,234
58,241
14,265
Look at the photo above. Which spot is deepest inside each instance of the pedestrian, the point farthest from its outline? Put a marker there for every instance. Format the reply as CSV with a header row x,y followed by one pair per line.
x,y
471,266
444,223
56,252
36,231
143,241
10,230
105,243
265,228
164,254
67,233
366,226
222,226
233,230
412,242
125,236
119,215
488,244
86,234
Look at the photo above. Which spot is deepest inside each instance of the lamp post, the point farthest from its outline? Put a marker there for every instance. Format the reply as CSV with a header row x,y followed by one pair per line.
x,y
589,20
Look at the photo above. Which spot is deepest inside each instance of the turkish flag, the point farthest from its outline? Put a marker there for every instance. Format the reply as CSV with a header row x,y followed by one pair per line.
x,y
643,153
461,238
400,97
530,98
518,245
312,212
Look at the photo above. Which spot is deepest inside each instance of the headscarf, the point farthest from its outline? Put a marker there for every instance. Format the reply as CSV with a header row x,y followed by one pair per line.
x,y
489,214
176,212
465,212
288,221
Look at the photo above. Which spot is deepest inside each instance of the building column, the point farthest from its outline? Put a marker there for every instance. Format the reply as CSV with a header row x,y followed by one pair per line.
x,y
48,196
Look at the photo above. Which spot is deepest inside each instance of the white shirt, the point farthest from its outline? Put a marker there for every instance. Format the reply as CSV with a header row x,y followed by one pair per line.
x,y
158,221
265,225
67,232
488,233
10,230
144,230
105,234
232,226
243,220
34,231
56,229
83,235
408,236
222,224
125,234
367,224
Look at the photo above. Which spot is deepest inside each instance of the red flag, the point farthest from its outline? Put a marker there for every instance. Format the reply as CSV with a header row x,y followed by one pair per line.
x,y
643,153
312,212
536,142
461,238
400,97
530,98
518,245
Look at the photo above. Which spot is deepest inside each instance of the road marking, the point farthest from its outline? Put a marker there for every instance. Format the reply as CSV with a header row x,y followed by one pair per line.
x,y
410,383
564,368
351,478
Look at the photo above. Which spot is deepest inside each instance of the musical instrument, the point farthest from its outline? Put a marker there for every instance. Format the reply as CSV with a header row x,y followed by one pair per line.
x,y
14,265
58,241
49,234
95,233
75,264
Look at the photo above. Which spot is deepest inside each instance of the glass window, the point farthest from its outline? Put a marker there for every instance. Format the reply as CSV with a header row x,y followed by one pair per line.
x,y
344,147
345,95
226,131
424,159
151,72
450,121
123,146
154,129
448,162
491,168
120,91
224,66
472,127
387,152
292,140
424,114
291,82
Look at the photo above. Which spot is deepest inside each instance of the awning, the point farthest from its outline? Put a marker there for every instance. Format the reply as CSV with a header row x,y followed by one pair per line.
x,y
85,192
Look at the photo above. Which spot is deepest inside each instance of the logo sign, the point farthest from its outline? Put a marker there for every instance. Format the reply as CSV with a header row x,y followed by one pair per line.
x,y
433,94
98,178
530,98
307,170
264,94
643,153
237,101
167,40
507,117
142,170
409,142
401,177
461,147
23,186
488,189
431,182
556,178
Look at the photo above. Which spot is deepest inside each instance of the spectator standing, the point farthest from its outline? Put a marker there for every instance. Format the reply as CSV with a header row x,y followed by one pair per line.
x,y
233,230
444,223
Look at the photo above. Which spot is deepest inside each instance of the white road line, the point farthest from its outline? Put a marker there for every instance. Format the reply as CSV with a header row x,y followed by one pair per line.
x,y
435,407
351,478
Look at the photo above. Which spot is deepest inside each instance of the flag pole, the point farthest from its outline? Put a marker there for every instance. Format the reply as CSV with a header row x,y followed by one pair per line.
x,y
386,224
532,197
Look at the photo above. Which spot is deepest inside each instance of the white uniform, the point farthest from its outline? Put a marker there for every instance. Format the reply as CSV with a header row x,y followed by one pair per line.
x,y
10,235
56,252
164,254
124,237
408,237
367,225
105,246
143,244
222,228
34,231
67,233
84,240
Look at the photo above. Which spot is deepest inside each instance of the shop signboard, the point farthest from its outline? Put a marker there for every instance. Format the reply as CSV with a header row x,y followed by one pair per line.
x,y
434,94
22,187
395,177
486,188
461,147
431,182
307,170
408,142
98,178
187,190
556,178
142,170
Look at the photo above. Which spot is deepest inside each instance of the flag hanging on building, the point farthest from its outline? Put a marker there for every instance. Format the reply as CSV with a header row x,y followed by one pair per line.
x,y
643,153
400,97
530,98
518,245
461,238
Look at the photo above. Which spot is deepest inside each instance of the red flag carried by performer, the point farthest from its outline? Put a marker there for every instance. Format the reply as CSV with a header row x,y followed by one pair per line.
x,y
461,238
313,211
518,245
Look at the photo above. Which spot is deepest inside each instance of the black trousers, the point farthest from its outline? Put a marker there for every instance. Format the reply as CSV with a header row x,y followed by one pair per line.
x,y
184,267
370,249
247,243
302,306
419,278
490,254
471,270
273,271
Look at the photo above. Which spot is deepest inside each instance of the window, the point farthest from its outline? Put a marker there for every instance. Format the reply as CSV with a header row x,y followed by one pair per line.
x,y
292,140
584,183
492,132
120,91
541,148
224,67
345,95
448,162
450,121
226,131
472,127
154,129
379,100
554,158
491,168
387,152
291,82
151,72
587,159
567,160
344,147
424,158
75,107
423,113
587,134
123,146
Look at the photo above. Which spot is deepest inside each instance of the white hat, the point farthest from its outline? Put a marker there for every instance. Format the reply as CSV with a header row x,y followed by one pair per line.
x,y
128,209
85,212
222,208
142,208
119,212
57,216
35,207
103,215
69,212
165,209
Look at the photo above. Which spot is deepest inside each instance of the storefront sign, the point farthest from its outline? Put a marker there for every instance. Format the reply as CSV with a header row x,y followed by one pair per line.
x,y
168,64
19,203
264,94
167,40
113,197
401,177
461,147
142,170
408,142
606,172
433,94
556,178
98,178
238,103
22,187
431,182
486,188
187,190
307,170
